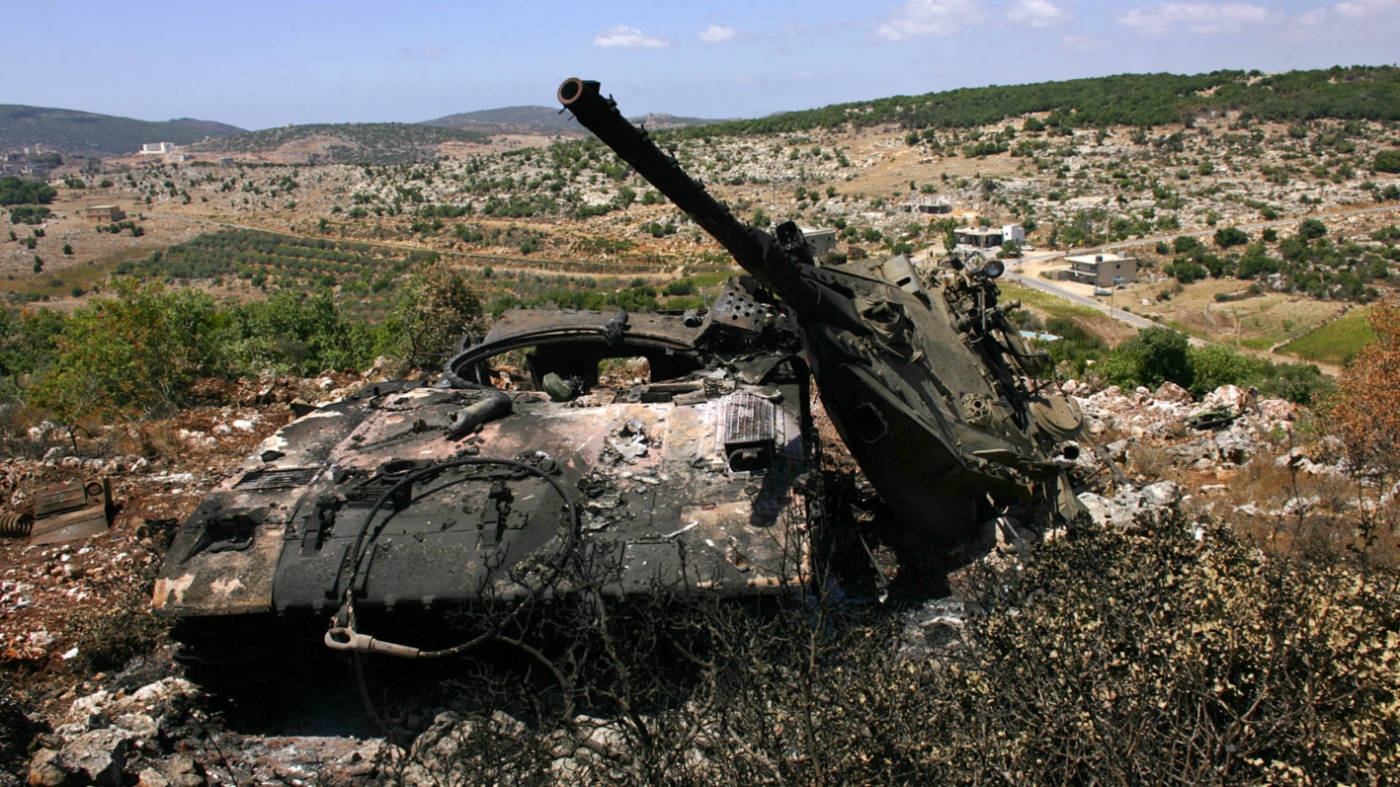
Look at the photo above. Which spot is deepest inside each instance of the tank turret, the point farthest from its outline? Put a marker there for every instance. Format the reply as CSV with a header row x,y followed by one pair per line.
x,y
925,378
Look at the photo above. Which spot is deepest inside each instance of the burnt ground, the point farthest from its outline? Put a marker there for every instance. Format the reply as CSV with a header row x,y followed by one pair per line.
x,y
75,620
58,630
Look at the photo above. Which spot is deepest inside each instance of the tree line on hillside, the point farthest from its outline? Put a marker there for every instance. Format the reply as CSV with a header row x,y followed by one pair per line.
x,y
14,191
1145,100
1308,261
375,143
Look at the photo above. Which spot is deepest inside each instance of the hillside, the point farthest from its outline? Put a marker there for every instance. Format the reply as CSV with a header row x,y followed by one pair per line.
x,y
71,131
544,120
510,120
338,143
1344,93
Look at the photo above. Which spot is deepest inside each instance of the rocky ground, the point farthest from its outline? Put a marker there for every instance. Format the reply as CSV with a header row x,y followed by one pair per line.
x,y
84,708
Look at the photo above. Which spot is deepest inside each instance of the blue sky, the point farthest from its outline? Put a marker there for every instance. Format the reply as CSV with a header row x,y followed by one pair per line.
x,y
258,64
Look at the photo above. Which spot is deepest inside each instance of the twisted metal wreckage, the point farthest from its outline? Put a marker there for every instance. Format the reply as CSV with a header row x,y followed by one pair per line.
x,y
406,499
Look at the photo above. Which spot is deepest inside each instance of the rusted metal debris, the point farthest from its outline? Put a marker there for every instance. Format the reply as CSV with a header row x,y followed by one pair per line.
x,y
64,512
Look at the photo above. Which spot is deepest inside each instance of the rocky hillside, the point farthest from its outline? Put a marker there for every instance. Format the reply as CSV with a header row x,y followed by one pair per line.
x,y
92,695
330,143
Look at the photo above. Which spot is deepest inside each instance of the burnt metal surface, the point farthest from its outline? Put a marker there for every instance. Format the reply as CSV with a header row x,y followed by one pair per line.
x,y
675,458
71,511
925,377
578,454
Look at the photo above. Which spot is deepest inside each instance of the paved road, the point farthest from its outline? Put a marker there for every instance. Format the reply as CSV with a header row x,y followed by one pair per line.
x,y
1136,320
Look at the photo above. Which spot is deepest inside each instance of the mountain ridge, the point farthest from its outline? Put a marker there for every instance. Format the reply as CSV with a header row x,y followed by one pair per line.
x,y
80,132
536,119
1143,100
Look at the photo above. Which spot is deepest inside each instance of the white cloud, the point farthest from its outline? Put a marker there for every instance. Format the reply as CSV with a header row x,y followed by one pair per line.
x,y
929,17
1201,18
1359,9
1351,13
802,74
1038,13
624,37
714,34
1083,42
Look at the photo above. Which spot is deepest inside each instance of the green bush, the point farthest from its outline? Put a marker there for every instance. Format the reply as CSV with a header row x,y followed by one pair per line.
x,y
1154,356
1387,161
14,191
1076,346
137,352
29,214
1215,365
1311,229
1226,237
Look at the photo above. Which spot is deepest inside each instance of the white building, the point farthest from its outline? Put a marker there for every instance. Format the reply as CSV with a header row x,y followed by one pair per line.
x,y
157,148
990,237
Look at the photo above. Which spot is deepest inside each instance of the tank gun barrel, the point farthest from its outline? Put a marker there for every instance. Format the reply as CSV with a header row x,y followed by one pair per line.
x,y
773,263
918,378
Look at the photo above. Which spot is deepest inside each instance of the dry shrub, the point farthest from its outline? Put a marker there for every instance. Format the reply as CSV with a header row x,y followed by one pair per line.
x,y
123,628
1174,655
155,439
1154,462
15,422
1177,655
1365,412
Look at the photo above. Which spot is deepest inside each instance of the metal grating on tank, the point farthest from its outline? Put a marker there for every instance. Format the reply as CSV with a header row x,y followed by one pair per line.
x,y
750,432
278,479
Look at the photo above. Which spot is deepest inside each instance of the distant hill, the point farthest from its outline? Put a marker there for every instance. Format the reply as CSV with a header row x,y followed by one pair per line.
x,y
1146,100
545,120
71,131
357,143
511,120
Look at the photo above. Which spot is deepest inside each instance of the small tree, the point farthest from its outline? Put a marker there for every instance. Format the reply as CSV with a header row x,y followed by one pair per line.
x,y
1365,411
1230,236
1155,356
136,353
438,306
1387,161
1312,229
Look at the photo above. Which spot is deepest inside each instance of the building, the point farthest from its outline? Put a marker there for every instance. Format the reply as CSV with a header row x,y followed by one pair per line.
x,y
157,148
104,213
931,206
990,237
1103,270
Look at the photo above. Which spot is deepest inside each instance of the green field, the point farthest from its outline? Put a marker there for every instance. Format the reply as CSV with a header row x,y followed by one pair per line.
x,y
1051,305
1336,342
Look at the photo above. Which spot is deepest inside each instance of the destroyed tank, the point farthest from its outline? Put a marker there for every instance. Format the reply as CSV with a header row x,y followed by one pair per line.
x,y
566,453
926,378
571,454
